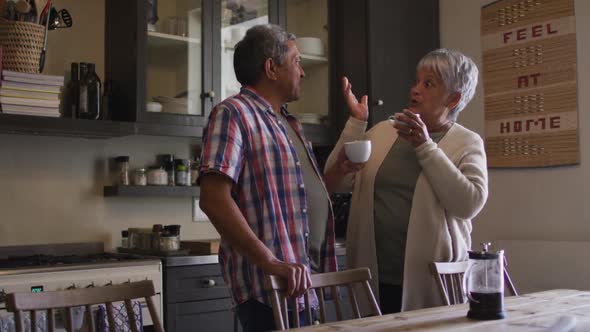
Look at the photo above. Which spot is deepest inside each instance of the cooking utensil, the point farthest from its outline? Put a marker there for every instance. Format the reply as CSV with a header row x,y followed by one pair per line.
x,y
66,17
43,51
54,19
22,8
41,8
2,6
10,12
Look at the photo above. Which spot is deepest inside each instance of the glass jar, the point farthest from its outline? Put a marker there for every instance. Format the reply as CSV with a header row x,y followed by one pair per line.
x,y
123,170
182,175
140,177
125,239
169,242
168,164
157,176
134,238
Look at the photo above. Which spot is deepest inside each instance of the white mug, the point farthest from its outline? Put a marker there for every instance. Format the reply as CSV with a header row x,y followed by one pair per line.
x,y
358,151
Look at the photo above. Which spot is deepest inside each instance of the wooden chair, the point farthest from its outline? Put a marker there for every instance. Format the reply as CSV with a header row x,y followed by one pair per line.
x,y
320,282
449,280
18,303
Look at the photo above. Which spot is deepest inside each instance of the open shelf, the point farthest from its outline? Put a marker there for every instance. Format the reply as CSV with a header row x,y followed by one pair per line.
x,y
164,42
142,191
167,40
312,60
49,126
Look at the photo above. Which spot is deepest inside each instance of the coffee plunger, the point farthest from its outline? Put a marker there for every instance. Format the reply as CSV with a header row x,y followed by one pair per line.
x,y
484,284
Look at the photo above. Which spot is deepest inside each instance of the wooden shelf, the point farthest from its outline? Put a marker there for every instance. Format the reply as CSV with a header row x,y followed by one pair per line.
x,y
47,126
159,39
152,191
312,60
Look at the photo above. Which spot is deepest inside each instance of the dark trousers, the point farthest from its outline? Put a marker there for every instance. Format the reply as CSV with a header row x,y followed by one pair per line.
x,y
258,317
390,298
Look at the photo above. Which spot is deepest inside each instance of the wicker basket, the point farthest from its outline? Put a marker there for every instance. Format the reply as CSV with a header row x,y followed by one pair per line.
x,y
22,43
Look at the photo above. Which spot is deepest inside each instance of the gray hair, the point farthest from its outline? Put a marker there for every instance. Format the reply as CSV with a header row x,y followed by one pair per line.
x,y
260,43
458,72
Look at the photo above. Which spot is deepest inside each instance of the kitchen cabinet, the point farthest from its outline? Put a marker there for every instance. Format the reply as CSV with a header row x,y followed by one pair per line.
x,y
377,44
183,61
308,20
196,297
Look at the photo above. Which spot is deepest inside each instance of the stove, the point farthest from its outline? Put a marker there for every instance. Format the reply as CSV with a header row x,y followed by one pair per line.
x,y
42,260
37,269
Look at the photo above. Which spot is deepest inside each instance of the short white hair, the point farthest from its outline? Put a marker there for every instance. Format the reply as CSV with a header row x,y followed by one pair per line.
x,y
457,71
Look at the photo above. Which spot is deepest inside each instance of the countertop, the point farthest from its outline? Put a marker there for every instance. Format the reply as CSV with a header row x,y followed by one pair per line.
x,y
213,259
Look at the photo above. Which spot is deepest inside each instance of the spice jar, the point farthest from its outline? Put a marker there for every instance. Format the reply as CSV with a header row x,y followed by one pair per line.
x,y
168,164
169,242
140,177
123,170
133,238
182,175
157,176
125,239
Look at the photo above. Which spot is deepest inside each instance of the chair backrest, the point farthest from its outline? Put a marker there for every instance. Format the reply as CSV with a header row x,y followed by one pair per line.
x,y
35,303
320,282
449,280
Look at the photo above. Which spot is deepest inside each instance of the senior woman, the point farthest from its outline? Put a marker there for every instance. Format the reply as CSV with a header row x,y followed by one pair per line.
x,y
414,199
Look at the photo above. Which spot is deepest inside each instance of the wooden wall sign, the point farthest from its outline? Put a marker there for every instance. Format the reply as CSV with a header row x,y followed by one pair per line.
x,y
530,82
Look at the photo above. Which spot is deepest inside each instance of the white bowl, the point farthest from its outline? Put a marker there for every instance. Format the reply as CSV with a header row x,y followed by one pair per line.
x,y
358,151
310,45
154,107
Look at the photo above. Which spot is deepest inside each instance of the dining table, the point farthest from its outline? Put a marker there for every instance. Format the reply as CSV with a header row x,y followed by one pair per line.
x,y
559,310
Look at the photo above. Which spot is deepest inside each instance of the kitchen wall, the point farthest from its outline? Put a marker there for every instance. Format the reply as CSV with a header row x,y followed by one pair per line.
x,y
52,186
538,215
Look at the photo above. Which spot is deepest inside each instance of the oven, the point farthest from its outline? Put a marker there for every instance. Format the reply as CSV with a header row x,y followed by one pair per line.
x,y
41,273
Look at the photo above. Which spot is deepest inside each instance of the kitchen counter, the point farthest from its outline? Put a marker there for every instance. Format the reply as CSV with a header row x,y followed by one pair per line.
x,y
340,249
189,260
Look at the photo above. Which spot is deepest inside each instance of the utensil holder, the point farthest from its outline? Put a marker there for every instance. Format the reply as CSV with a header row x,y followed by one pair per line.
x,y
22,43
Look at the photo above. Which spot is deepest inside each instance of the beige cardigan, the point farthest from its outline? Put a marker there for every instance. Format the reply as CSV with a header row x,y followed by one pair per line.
x,y
451,189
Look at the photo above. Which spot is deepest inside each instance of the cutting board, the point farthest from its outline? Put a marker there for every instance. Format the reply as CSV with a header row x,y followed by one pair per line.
x,y
201,247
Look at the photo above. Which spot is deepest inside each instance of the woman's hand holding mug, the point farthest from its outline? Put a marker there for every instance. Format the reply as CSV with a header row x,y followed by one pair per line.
x,y
410,127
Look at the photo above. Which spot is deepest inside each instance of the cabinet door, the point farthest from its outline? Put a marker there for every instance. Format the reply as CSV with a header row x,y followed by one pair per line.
x,y
399,34
211,316
194,283
237,16
154,52
182,58
377,44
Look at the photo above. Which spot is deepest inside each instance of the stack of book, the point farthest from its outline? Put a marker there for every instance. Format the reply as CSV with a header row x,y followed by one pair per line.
x,y
30,94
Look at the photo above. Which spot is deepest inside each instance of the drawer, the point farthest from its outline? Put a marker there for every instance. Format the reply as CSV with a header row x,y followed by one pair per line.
x,y
194,283
210,316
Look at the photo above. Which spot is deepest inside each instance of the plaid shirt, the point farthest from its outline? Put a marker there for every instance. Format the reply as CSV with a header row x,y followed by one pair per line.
x,y
245,141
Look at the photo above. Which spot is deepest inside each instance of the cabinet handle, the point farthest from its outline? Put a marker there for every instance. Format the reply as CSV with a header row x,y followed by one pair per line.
x,y
208,283
208,94
379,102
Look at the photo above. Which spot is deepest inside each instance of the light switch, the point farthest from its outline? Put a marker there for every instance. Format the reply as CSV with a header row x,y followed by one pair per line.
x,y
198,214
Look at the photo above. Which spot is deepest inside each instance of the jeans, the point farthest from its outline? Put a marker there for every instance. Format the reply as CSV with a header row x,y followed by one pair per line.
x,y
258,317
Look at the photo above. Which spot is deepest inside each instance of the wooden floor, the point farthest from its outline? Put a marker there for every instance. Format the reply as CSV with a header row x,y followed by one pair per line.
x,y
548,311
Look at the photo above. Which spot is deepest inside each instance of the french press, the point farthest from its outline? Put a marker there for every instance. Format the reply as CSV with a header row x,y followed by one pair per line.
x,y
484,284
